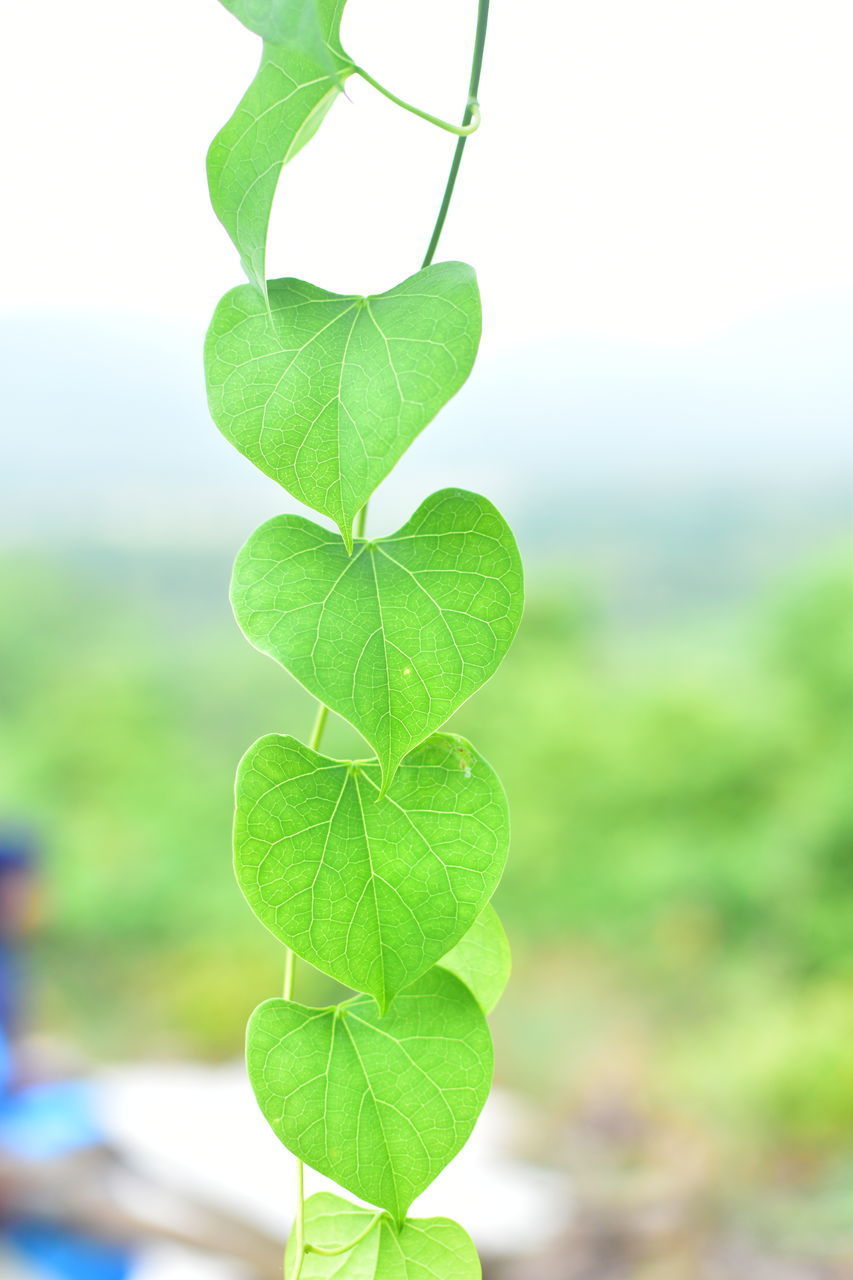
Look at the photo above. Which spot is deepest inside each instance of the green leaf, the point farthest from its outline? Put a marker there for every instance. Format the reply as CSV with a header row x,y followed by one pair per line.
x,y
296,84
421,1249
482,959
397,636
326,391
297,23
373,893
379,1104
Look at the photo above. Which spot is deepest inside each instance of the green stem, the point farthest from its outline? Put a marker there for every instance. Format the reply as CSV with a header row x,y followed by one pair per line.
x,y
289,968
470,121
345,1248
299,1223
299,1220
470,125
473,91
319,725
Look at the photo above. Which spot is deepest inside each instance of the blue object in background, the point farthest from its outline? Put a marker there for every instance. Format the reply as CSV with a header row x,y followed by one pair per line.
x,y
47,1122
62,1254
18,865
42,1122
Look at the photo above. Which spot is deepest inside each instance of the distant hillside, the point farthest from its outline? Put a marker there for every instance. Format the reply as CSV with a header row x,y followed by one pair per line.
x,y
654,473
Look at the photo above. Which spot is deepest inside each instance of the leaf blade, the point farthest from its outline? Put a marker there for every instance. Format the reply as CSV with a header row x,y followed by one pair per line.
x,y
482,959
296,23
295,86
379,1104
372,892
325,392
421,1249
394,650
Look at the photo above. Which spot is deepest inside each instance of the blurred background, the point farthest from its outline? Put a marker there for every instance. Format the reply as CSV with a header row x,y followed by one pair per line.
x,y
658,205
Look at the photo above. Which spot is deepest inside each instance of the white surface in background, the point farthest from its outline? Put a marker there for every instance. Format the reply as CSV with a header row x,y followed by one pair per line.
x,y
658,206
180,1264
655,170
198,1129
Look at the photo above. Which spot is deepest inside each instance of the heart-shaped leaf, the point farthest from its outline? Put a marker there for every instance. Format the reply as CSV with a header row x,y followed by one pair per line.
x,y
379,1104
421,1249
296,84
324,392
482,959
395,637
372,892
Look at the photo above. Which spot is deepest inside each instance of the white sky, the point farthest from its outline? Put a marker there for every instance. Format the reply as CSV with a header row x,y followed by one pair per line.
x,y
649,170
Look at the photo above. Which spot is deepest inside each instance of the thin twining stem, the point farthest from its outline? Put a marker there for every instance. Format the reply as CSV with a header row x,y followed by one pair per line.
x,y
289,975
319,725
471,125
473,91
351,1244
470,120
298,1224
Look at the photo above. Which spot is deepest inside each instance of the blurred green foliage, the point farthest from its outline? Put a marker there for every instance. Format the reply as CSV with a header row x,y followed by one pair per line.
x,y
679,897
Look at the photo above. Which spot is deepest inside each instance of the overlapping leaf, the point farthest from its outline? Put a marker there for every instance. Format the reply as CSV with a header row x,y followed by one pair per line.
x,y
482,959
372,892
295,86
421,1249
379,1104
297,23
324,392
395,637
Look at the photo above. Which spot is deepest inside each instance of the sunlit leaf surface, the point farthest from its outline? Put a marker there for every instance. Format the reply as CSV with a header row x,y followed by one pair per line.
x,y
396,636
295,86
482,959
371,891
324,392
379,1104
421,1249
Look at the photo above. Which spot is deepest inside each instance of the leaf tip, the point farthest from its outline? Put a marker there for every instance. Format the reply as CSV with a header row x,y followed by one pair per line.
x,y
347,535
257,278
388,764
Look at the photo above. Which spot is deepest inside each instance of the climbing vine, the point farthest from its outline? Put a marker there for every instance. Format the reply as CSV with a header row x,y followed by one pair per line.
x,y
376,871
